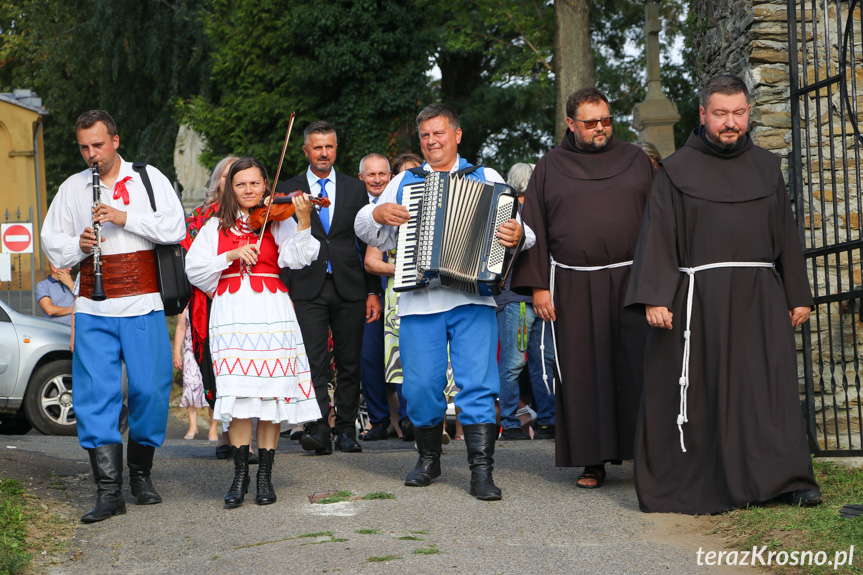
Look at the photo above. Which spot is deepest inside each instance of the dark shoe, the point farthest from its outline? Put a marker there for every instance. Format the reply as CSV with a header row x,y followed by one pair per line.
x,y
139,458
479,439
407,428
378,432
107,464
266,494
851,511
543,432
318,438
592,477
223,451
296,435
803,497
428,465
514,434
345,442
240,484
253,457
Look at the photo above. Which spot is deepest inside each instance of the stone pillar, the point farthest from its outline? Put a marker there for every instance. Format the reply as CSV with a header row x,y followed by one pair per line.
x,y
190,173
654,118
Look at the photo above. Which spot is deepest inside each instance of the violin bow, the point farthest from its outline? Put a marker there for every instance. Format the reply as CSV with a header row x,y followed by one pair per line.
x,y
276,180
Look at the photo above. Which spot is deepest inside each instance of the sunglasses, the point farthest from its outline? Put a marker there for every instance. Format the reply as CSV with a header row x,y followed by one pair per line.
x,y
591,124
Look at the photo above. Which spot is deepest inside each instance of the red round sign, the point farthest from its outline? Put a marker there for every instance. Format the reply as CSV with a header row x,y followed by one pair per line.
x,y
16,238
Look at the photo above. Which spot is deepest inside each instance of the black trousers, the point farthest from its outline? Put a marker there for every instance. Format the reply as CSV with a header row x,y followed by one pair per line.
x,y
328,311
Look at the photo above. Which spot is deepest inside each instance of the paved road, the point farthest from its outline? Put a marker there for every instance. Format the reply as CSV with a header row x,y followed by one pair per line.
x,y
543,524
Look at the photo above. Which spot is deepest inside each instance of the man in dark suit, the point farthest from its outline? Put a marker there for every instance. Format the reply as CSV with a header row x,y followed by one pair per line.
x,y
333,293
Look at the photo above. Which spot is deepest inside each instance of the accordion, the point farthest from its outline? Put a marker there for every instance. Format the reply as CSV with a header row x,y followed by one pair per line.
x,y
449,239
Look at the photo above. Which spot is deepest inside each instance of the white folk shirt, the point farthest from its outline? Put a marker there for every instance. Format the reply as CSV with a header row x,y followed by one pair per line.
x,y
204,265
71,212
421,301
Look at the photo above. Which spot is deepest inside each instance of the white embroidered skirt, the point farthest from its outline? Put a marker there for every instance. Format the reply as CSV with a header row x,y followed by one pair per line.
x,y
259,359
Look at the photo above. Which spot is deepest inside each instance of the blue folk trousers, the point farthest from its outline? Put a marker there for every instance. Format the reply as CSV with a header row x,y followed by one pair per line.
x,y
101,344
471,331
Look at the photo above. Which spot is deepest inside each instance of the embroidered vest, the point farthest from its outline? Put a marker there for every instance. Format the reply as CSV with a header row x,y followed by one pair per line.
x,y
263,273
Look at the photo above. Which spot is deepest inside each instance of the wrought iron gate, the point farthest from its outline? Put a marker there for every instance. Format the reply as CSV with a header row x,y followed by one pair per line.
x,y
826,57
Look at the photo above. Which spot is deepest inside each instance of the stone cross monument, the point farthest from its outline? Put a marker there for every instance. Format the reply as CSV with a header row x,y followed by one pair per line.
x,y
654,118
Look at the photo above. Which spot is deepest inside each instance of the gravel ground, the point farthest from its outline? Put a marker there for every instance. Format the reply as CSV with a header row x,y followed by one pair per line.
x,y
543,525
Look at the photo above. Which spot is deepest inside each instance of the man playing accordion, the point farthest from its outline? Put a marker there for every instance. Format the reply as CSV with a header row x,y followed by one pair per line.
x,y
432,317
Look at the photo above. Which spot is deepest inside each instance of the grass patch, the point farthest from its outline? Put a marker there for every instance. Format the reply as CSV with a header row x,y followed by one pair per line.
x,y
13,528
420,532
379,495
369,531
338,497
318,534
430,550
382,559
780,527
411,538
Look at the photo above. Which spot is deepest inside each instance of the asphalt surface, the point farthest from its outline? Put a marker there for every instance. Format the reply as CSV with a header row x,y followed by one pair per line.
x,y
542,525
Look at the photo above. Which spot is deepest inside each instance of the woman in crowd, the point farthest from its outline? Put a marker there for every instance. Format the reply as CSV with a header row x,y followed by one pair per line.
x,y
193,384
199,308
258,354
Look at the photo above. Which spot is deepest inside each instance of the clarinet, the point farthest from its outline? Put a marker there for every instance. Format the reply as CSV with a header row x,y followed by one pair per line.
x,y
98,290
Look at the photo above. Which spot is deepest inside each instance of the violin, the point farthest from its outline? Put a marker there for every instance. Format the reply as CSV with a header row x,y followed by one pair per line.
x,y
282,208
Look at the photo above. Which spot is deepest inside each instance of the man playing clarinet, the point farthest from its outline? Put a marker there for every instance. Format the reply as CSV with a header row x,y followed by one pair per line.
x,y
433,317
128,323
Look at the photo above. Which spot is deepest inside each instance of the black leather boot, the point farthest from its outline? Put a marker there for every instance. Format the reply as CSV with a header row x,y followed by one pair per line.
x,y
240,485
139,458
479,439
266,494
107,464
429,446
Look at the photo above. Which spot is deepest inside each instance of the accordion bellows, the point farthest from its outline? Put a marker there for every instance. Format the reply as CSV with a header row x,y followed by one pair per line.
x,y
449,239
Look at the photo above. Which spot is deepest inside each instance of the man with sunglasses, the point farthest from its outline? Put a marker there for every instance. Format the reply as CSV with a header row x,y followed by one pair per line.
x,y
585,201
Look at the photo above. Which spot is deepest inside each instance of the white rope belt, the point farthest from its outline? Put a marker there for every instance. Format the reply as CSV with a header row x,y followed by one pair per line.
x,y
682,416
555,264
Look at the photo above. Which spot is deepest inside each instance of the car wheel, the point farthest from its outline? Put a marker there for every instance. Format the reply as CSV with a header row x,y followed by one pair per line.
x,y
48,399
14,425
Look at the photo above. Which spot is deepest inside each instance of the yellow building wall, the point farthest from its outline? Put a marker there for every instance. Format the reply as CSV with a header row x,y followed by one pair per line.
x,y
18,183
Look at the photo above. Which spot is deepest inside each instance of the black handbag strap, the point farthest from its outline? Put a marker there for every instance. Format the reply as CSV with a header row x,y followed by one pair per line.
x,y
141,168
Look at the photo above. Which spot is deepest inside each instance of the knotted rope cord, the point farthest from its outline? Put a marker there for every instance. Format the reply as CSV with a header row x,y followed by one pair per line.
x,y
683,416
554,264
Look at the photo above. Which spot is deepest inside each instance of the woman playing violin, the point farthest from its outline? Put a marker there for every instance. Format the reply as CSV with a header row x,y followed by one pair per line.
x,y
258,354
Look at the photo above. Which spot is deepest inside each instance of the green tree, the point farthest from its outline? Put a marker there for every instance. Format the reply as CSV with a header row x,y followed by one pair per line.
x,y
361,65
133,58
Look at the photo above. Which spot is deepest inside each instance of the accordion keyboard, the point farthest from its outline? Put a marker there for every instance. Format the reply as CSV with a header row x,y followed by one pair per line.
x,y
406,263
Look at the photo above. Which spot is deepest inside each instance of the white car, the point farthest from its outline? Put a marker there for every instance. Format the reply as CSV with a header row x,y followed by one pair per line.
x,y
35,374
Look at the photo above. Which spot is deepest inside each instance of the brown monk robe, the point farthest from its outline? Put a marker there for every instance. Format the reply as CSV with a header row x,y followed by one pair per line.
x,y
744,439
586,208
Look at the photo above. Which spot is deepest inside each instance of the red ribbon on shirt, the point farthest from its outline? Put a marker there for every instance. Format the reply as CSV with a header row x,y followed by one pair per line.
x,y
120,190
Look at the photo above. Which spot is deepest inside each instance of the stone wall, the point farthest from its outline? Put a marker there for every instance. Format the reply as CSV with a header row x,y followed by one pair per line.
x,y
749,38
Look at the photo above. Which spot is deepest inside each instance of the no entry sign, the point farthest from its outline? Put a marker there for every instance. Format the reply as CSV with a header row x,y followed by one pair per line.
x,y
17,238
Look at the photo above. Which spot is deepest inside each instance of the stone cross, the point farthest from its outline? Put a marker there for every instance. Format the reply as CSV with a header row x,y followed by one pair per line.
x,y
654,118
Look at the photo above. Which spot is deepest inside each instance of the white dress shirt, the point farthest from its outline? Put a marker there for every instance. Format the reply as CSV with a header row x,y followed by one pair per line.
x,y
71,212
204,265
421,301
315,190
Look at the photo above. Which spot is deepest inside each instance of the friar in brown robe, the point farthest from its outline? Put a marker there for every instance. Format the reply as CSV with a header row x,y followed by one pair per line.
x,y
720,202
585,202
